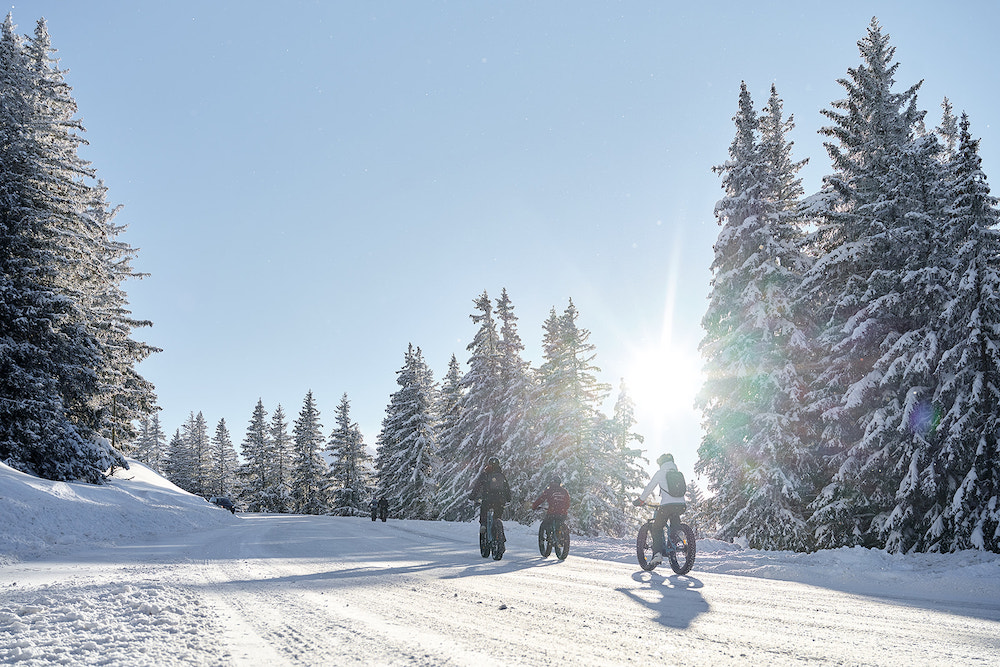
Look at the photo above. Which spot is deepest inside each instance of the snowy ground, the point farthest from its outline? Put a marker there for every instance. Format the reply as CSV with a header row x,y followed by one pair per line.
x,y
141,573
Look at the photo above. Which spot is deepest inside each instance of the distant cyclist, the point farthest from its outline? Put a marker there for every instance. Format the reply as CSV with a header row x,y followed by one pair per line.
x,y
556,499
492,487
670,482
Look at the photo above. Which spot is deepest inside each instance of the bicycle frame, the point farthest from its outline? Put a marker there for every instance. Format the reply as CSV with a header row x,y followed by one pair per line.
x,y
681,556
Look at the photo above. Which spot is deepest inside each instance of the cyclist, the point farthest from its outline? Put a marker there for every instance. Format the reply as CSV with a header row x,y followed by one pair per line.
x,y
672,488
556,498
492,487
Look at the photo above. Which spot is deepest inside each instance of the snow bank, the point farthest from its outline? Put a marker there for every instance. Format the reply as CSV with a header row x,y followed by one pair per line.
x,y
963,576
39,517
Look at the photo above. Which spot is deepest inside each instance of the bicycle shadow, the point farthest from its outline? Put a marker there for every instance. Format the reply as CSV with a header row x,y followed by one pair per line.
x,y
675,599
489,567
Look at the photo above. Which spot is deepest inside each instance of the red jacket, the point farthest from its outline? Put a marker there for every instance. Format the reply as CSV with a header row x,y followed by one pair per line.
x,y
558,499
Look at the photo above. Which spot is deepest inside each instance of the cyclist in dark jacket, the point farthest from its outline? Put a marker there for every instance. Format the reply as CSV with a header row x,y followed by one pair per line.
x,y
556,498
492,487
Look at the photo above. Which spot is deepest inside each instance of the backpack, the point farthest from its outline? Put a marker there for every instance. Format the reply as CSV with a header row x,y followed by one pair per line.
x,y
676,486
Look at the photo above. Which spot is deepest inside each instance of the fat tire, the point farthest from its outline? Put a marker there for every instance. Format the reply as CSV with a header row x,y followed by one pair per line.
x,y
562,541
498,540
682,557
484,544
544,541
643,548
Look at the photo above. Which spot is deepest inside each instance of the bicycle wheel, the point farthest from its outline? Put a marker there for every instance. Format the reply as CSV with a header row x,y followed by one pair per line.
x,y
644,548
544,540
498,540
485,547
682,557
562,541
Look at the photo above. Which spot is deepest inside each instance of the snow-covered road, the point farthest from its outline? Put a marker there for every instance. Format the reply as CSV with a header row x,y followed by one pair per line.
x,y
293,590
138,572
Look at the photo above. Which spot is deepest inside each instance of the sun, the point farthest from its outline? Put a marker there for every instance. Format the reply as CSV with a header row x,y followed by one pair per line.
x,y
663,380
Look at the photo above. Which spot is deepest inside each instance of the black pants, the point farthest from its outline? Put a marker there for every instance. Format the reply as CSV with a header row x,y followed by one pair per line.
x,y
666,513
485,506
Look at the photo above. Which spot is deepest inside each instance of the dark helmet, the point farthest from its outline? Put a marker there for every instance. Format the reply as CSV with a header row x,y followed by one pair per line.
x,y
555,481
664,458
494,463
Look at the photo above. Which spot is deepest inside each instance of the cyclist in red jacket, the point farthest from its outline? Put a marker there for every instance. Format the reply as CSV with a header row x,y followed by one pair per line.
x,y
556,498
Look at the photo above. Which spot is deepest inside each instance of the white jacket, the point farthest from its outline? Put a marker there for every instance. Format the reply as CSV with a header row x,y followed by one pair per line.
x,y
660,480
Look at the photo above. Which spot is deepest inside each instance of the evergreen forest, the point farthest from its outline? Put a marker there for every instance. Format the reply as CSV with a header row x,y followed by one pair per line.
x,y
851,338
851,348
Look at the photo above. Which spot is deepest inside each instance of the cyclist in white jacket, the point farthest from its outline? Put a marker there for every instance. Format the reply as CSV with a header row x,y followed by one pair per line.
x,y
670,507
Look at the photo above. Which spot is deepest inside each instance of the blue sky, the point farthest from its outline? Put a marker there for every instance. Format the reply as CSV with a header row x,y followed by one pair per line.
x,y
314,185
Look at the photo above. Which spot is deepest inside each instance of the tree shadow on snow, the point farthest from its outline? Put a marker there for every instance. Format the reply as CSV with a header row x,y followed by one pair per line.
x,y
675,599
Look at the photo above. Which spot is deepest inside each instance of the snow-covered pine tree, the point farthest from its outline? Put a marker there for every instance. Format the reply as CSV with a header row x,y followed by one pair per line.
x,y
47,355
948,131
257,489
123,395
449,402
282,449
967,470
726,417
178,465
223,463
630,475
199,447
697,515
517,444
152,442
351,469
874,292
475,437
93,262
549,407
573,437
310,475
406,443
754,450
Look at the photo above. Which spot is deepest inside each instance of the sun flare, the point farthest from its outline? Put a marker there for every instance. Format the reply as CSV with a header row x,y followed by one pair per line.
x,y
663,381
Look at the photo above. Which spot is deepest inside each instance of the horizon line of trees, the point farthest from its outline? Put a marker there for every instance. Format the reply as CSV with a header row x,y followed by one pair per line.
x,y
435,438
852,338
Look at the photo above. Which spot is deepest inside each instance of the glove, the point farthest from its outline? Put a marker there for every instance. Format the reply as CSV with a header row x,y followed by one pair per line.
x,y
638,502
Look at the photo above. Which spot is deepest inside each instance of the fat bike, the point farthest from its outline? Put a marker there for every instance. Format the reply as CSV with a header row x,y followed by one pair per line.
x,y
680,547
553,533
491,541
